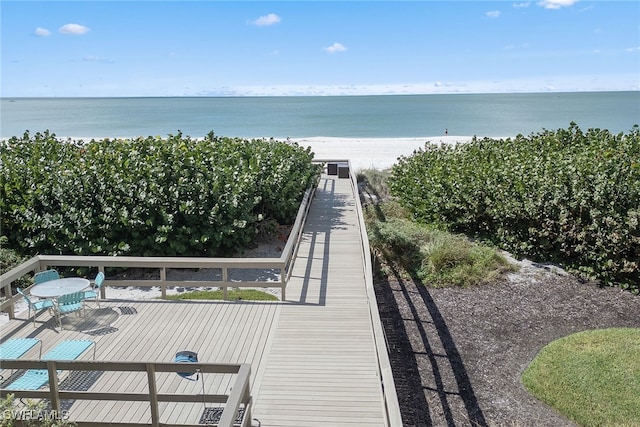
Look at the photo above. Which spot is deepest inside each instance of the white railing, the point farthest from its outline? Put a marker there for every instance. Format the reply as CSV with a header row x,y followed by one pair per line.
x,y
238,398
281,264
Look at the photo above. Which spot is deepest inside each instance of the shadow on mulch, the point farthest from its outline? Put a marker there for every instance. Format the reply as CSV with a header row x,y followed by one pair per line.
x,y
457,354
420,344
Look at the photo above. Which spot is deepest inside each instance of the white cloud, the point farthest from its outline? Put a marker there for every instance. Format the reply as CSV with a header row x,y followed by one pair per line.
x,y
634,49
524,4
336,47
266,20
42,32
493,14
74,29
556,4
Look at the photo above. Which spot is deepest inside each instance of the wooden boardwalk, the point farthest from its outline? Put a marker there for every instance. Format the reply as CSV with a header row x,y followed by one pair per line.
x,y
322,368
313,357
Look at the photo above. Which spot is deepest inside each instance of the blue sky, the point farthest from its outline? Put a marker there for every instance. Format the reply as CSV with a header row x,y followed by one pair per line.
x,y
242,48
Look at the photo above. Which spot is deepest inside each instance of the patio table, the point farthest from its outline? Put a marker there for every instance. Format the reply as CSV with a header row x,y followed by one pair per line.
x,y
58,287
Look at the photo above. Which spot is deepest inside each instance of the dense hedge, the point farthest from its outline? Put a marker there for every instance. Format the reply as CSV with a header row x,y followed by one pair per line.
x,y
562,196
148,196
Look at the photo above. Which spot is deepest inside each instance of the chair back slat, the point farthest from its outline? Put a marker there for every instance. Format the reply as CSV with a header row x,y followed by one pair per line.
x,y
99,279
45,276
26,298
72,298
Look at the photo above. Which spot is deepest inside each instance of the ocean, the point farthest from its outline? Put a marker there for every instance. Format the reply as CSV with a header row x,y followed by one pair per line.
x,y
385,116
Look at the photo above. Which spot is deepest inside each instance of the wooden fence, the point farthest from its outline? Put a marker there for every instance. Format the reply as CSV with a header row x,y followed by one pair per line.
x,y
238,399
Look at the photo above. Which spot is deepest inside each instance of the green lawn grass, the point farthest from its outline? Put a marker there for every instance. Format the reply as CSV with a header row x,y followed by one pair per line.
x,y
591,377
234,294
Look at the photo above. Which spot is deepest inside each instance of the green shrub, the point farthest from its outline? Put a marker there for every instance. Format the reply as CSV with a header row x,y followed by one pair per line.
x,y
399,240
29,412
449,259
147,196
568,197
437,258
8,257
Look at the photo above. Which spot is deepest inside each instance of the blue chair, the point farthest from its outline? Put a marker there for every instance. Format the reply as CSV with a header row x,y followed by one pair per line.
x,y
14,348
94,292
36,306
45,276
69,303
33,379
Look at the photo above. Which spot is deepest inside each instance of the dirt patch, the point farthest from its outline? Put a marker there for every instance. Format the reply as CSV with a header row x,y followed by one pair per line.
x,y
457,354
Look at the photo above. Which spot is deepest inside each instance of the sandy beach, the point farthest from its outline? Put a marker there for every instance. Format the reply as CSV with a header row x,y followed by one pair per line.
x,y
366,153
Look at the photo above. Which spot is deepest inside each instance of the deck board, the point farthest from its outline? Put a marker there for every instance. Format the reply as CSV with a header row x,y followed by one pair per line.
x,y
322,367
313,357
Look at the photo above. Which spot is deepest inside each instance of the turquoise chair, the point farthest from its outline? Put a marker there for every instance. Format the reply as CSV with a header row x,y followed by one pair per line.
x,y
36,306
94,292
45,276
33,379
69,303
14,348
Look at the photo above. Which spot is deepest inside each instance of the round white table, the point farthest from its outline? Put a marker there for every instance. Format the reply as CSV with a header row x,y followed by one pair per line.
x,y
57,287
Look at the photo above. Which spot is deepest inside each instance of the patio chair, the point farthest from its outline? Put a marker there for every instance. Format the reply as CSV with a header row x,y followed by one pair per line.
x,y
33,379
14,348
36,306
45,276
69,303
94,292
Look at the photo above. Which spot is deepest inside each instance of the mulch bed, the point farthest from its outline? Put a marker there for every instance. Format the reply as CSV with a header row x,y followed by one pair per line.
x,y
458,354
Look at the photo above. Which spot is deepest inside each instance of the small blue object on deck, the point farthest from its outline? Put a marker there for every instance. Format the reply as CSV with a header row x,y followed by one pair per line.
x,y
33,379
14,348
186,356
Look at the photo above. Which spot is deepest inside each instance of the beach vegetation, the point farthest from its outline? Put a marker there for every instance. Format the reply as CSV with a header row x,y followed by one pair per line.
x,y
592,377
435,257
232,295
31,413
174,196
567,197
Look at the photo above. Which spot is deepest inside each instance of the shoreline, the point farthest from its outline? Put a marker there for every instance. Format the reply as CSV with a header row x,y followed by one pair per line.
x,y
372,153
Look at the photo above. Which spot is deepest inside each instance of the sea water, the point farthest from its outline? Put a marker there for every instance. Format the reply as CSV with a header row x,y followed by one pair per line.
x,y
387,116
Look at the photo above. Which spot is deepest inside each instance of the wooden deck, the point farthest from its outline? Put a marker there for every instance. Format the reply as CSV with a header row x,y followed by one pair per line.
x,y
313,357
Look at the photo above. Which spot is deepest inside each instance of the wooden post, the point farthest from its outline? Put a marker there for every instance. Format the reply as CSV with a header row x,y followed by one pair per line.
x,y
153,395
225,292
103,289
53,385
163,279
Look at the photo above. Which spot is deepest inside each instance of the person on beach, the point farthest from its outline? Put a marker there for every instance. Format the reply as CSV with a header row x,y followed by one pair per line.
x,y
446,131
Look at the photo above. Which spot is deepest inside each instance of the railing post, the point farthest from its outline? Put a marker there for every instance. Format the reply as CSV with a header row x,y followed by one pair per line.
x,y
103,289
53,386
283,281
153,395
225,292
163,279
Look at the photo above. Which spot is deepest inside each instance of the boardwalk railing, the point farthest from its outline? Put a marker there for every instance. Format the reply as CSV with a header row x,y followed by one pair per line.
x,y
281,264
392,406
238,399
